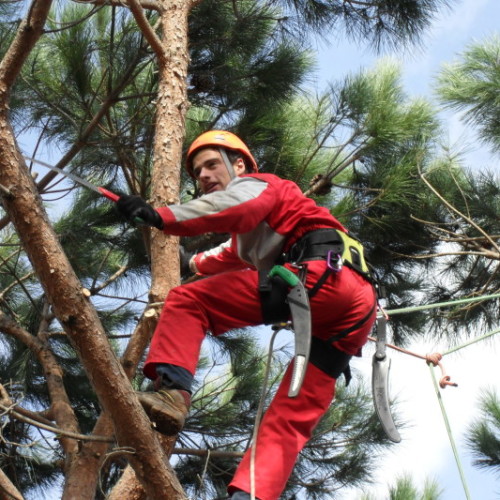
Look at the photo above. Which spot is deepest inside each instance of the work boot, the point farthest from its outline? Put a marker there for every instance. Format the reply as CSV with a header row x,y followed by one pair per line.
x,y
166,408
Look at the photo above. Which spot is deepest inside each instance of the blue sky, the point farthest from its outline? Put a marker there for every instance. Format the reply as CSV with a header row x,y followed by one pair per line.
x,y
451,32
425,451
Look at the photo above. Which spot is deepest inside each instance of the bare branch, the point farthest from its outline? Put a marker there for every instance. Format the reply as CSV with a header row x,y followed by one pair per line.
x,y
7,489
11,410
61,406
145,4
29,31
147,30
460,214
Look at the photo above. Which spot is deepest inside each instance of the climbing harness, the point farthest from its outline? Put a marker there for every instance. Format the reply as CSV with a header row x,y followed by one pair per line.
x,y
336,247
279,302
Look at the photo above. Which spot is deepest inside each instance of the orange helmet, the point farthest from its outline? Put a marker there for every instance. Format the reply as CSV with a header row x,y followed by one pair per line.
x,y
219,139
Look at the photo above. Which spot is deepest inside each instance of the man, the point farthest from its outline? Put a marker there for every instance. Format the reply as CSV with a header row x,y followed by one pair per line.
x,y
270,222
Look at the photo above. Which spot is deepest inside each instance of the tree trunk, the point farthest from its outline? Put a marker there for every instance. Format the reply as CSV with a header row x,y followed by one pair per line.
x,y
64,292
171,108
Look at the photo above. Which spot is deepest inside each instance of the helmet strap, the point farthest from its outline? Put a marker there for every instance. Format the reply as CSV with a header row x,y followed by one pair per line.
x,y
229,165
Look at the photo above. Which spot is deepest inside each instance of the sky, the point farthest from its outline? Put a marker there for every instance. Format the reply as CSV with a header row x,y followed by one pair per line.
x,y
425,451
450,33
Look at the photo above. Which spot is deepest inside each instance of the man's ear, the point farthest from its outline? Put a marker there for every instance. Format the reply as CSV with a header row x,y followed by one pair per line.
x,y
239,167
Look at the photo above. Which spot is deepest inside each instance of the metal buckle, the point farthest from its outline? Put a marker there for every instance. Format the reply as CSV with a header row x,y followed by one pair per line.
x,y
334,266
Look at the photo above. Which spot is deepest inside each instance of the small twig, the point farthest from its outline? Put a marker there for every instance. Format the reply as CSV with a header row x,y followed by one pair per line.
x,y
73,435
6,191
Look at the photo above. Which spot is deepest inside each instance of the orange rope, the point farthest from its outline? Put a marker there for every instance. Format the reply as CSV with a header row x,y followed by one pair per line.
x,y
434,359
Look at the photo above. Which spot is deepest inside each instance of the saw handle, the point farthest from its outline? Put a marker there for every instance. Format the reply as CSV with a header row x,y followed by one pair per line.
x,y
114,198
290,278
108,194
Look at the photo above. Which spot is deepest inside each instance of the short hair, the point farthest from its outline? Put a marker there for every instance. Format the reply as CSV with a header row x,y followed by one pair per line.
x,y
234,155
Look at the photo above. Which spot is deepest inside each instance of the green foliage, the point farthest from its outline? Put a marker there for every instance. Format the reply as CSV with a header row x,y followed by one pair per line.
x,y
471,85
483,435
248,63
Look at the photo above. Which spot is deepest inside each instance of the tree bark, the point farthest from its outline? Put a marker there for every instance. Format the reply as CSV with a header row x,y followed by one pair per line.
x,y
64,292
172,105
171,108
7,490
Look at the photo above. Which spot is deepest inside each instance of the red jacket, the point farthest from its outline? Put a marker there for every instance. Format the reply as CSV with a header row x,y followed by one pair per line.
x,y
264,214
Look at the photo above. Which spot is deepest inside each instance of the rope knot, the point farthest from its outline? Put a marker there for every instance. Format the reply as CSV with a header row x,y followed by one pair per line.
x,y
434,358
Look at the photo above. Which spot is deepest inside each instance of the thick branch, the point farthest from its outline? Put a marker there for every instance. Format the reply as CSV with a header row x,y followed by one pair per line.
x,y
80,321
7,490
61,406
30,30
147,30
145,4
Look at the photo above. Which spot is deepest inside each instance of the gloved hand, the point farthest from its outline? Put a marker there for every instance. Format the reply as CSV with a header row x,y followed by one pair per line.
x,y
135,209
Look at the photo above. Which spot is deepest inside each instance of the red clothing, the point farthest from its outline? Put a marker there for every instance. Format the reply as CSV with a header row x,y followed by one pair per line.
x,y
266,214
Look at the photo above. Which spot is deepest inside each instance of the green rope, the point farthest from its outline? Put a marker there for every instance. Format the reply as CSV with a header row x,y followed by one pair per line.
x,y
442,304
473,341
431,367
450,435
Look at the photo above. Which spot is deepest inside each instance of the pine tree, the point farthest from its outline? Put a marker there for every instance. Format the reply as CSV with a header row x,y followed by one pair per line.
x,y
483,436
113,99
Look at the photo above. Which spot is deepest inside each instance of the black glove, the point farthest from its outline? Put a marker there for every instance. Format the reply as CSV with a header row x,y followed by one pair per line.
x,y
135,209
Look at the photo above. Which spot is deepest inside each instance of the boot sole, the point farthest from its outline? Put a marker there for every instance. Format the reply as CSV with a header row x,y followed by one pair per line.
x,y
163,423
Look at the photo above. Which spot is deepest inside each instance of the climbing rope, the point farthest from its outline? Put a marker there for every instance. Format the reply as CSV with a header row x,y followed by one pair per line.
x,y
434,359
259,412
450,435
437,305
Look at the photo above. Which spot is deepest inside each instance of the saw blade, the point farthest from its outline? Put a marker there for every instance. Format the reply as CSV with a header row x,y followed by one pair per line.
x,y
380,389
301,320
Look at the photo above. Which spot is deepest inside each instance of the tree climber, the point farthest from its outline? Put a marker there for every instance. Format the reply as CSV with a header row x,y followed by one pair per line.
x,y
271,222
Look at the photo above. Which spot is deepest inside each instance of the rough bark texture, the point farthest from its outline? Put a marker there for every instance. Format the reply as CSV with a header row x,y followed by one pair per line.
x,y
64,292
79,319
172,105
7,490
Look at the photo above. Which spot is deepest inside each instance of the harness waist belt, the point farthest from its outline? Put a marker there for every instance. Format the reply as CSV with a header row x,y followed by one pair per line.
x,y
330,244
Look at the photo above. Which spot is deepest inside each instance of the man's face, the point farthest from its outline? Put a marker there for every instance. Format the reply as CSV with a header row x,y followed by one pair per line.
x,y
211,172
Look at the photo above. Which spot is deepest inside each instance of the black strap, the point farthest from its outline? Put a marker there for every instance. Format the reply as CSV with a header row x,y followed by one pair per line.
x,y
329,359
312,292
273,291
356,326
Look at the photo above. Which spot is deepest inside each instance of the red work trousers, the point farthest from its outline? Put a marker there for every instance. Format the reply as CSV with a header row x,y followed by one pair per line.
x,y
231,300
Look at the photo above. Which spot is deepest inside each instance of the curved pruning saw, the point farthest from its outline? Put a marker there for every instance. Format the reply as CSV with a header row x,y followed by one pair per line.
x,y
98,189
380,382
300,311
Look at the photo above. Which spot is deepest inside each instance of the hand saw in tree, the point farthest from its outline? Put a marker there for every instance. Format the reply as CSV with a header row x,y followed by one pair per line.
x,y
98,189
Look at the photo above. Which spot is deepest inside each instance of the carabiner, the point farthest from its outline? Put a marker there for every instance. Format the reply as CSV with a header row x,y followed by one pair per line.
x,y
334,266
